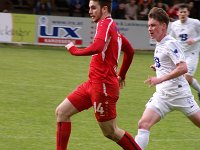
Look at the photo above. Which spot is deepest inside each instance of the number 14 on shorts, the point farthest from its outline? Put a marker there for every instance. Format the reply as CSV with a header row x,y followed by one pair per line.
x,y
98,108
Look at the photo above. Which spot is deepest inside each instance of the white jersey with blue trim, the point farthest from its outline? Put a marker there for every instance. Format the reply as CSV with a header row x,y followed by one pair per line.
x,y
183,31
167,54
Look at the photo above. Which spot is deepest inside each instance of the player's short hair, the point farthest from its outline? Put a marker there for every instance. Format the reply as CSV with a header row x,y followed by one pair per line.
x,y
103,3
159,14
182,6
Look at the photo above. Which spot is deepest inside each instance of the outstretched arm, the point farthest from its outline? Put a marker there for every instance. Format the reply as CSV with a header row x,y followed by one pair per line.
x,y
95,48
181,69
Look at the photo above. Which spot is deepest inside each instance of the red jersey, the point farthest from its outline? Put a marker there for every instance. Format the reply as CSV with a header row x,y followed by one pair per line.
x,y
105,50
103,66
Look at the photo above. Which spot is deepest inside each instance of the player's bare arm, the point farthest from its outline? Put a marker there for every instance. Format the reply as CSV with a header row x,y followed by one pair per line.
x,y
152,81
181,69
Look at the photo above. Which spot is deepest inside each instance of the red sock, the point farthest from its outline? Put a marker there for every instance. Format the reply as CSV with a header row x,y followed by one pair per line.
x,y
62,135
128,143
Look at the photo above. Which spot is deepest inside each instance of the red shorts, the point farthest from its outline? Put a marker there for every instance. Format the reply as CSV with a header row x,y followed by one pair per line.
x,y
104,104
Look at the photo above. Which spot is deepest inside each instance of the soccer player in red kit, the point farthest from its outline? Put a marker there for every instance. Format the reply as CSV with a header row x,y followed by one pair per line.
x,y
101,91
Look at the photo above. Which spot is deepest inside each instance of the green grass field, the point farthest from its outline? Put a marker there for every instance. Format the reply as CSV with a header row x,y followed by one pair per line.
x,y
34,80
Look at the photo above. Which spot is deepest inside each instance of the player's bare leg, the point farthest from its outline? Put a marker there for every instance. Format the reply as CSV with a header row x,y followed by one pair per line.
x,y
121,137
65,110
195,118
63,113
111,131
148,119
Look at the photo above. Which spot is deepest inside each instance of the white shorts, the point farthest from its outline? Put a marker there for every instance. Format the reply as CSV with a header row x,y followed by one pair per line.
x,y
162,104
192,60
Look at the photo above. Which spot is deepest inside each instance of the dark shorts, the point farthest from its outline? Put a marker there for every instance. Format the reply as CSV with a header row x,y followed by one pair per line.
x,y
87,95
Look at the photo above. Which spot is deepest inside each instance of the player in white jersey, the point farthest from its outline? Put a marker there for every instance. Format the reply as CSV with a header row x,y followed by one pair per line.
x,y
172,89
187,31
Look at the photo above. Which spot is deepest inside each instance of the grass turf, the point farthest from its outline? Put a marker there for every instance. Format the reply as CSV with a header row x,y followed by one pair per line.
x,y
35,79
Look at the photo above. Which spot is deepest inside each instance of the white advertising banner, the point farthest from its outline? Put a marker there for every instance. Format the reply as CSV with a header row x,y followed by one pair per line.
x,y
60,30
136,32
5,27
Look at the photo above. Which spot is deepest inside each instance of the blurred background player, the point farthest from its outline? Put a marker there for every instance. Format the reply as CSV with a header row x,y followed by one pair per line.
x,y
131,10
101,91
172,89
187,31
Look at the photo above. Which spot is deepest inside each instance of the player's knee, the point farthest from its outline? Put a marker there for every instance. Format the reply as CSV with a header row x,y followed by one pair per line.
x,y
61,114
142,124
110,135
58,112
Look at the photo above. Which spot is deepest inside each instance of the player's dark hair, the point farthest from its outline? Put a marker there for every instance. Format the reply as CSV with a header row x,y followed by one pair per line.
x,y
182,6
159,14
107,3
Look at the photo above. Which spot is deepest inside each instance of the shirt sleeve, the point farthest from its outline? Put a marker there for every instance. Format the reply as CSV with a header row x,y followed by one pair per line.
x,y
102,31
197,39
171,31
95,48
176,53
127,59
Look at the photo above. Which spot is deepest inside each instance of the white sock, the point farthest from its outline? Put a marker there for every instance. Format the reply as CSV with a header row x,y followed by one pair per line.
x,y
142,138
195,85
